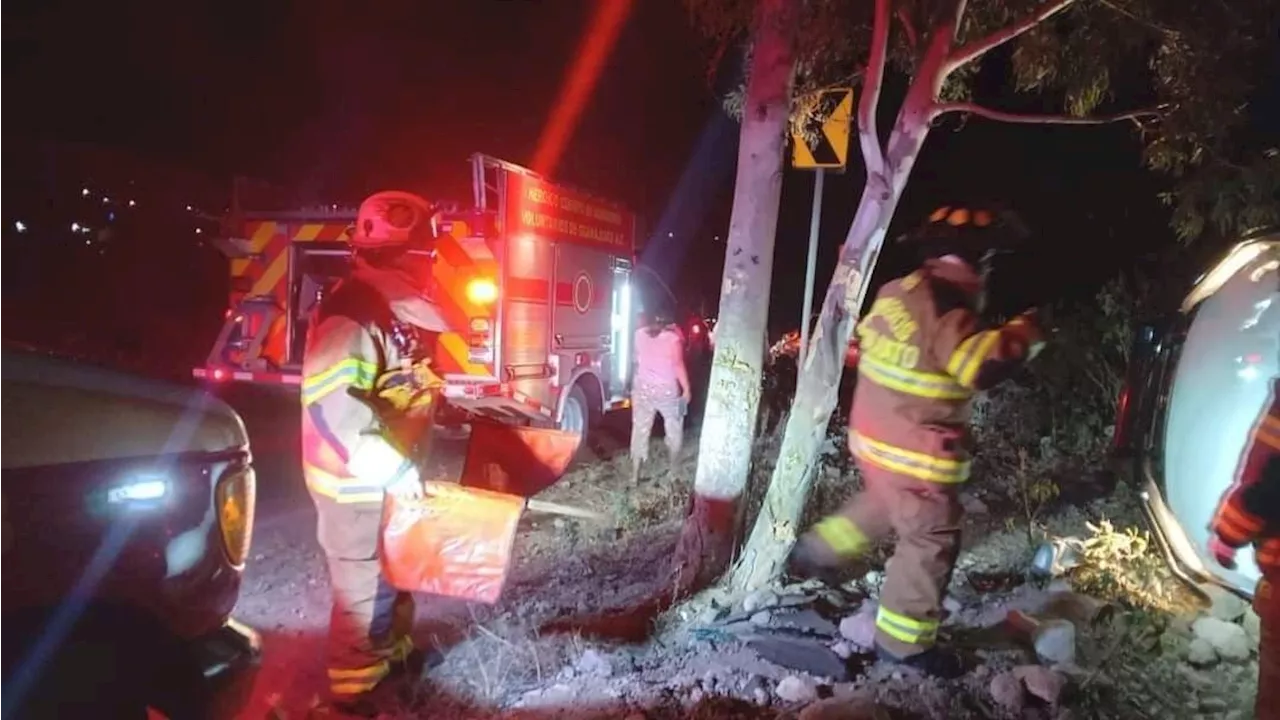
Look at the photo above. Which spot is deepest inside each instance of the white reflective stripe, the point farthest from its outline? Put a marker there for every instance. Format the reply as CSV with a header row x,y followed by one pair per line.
x,y
377,462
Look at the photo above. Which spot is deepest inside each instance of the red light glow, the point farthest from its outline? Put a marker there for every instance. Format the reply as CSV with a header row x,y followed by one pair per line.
x,y
593,52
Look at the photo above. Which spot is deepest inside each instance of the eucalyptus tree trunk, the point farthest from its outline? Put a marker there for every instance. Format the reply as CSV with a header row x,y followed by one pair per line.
x,y
733,398
888,169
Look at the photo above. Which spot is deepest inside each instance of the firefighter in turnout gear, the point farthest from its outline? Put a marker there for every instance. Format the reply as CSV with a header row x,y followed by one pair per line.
x,y
923,355
1250,514
367,395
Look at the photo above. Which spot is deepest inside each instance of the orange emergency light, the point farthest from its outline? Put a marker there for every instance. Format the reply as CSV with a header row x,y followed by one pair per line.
x,y
482,291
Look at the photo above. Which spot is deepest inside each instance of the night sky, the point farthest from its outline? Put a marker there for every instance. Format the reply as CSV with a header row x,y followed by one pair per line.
x,y
337,99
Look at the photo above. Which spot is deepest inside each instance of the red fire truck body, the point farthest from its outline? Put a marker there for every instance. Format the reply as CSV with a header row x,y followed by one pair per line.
x,y
534,282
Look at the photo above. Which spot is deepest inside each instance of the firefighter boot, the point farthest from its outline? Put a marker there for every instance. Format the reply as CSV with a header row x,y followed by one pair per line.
x,y
934,662
810,559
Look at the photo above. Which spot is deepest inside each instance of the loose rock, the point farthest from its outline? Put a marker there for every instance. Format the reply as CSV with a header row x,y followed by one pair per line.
x,y
1252,625
796,689
759,600
1055,642
1007,691
1200,653
1229,640
593,663
1041,682
860,628
1226,605
761,618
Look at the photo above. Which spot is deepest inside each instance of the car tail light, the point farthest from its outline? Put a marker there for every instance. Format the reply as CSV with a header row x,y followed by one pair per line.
x,y
482,291
235,495
1120,435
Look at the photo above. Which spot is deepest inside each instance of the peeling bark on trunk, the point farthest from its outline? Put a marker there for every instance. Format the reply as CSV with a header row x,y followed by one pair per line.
x,y
733,398
777,526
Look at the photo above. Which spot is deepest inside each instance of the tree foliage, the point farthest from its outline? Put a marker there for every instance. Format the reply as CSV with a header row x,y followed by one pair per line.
x,y
1192,68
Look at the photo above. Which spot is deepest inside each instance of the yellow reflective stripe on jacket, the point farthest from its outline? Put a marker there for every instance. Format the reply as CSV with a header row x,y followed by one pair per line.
x,y
935,386
905,629
841,535
357,680
355,372
969,355
910,462
340,489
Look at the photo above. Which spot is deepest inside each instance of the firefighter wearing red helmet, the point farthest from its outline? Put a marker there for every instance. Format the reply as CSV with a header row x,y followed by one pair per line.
x,y
923,355
367,393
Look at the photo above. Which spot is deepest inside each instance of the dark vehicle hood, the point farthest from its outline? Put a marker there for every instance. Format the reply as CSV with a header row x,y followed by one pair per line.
x,y
60,411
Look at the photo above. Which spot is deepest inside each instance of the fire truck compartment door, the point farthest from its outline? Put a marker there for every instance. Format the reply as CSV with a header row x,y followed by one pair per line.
x,y
581,320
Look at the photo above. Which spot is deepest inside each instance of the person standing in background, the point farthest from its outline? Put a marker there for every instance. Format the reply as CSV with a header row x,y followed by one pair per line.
x,y
661,388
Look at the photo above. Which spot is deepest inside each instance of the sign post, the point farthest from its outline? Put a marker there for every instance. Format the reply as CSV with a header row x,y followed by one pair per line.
x,y
824,145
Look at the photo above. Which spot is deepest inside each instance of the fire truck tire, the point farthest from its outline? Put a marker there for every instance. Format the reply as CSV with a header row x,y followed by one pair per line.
x,y
576,416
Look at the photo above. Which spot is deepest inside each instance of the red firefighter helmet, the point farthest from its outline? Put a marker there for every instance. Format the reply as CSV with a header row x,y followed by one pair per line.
x,y
390,218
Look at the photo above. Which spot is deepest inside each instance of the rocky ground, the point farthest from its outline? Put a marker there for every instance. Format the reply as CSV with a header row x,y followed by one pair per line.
x,y
577,633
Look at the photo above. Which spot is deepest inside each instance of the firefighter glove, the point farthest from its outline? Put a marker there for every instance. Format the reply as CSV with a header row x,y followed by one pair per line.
x,y
1222,552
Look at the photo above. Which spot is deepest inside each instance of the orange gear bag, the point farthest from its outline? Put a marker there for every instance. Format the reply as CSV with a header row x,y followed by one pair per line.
x,y
455,541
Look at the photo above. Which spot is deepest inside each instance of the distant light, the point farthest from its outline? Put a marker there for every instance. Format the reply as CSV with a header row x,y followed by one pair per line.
x,y
132,203
105,199
671,234
188,208
84,192
111,216
75,227
20,226
199,231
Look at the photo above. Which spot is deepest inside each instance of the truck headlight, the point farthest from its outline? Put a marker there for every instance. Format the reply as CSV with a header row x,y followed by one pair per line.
x,y
235,495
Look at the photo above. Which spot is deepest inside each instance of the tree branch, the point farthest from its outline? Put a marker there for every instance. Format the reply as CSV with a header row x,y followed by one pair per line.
x,y
958,18
1135,116
969,52
913,37
872,82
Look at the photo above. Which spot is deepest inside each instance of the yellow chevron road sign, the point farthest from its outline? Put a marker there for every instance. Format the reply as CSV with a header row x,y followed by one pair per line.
x,y
825,142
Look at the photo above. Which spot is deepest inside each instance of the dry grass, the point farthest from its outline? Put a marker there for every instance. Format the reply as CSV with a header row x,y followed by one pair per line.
x,y
503,657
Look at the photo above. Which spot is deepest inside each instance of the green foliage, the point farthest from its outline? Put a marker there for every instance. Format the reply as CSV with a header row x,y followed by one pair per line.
x,y
1196,62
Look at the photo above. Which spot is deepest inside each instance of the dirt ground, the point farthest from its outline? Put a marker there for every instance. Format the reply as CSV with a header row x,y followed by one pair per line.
x,y
577,633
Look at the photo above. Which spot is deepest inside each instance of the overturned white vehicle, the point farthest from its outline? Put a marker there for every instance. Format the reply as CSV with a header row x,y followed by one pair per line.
x,y
1198,379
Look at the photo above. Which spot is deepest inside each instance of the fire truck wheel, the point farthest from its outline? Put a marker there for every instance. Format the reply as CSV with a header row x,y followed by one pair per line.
x,y
576,417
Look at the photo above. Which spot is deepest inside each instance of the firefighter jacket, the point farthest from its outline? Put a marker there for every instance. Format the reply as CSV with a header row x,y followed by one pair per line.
x,y
922,355
367,394
1250,510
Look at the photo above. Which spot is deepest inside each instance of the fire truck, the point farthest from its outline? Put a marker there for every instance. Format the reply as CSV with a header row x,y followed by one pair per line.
x,y
533,280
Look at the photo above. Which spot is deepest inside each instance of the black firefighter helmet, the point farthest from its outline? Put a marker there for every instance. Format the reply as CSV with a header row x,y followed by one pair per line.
x,y
974,234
